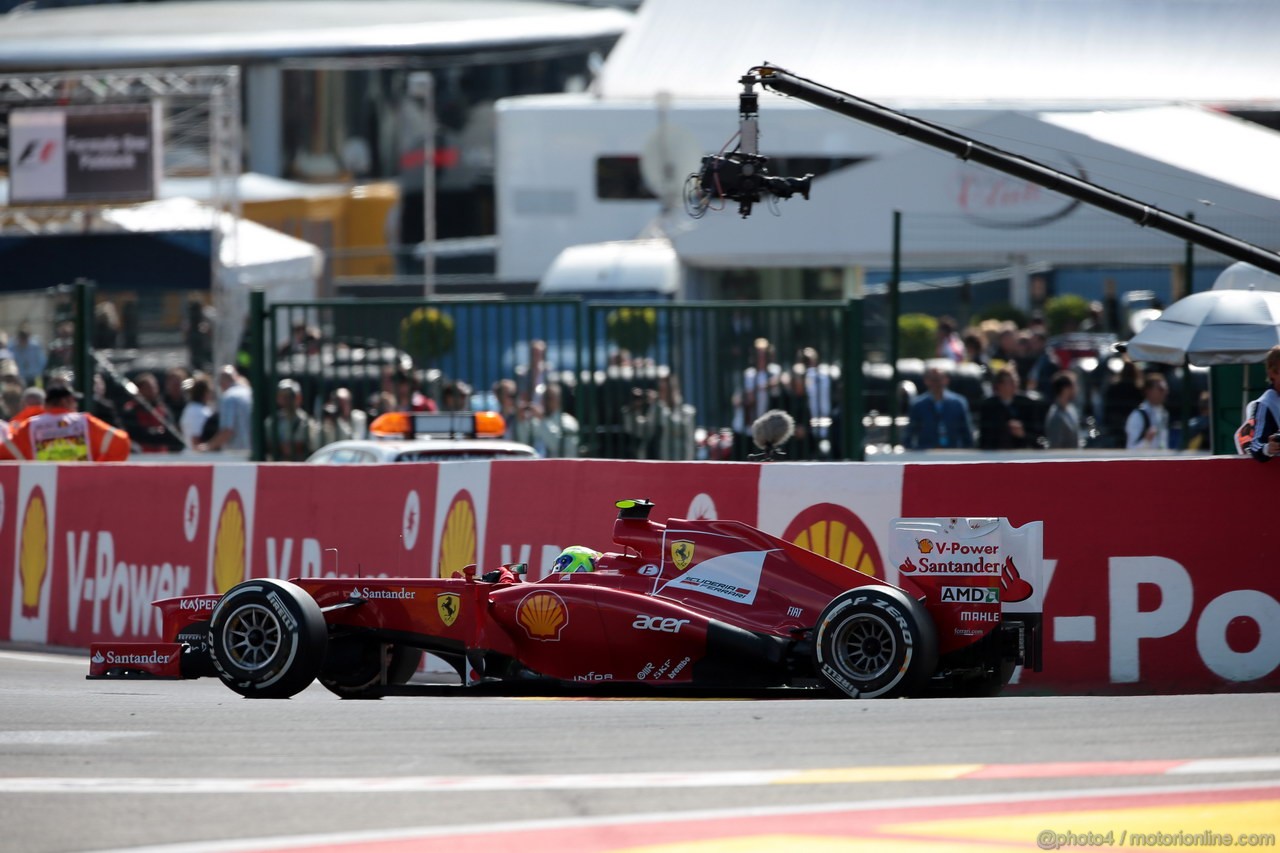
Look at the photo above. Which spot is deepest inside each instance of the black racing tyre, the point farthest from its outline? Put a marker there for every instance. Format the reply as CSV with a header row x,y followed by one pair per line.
x,y
875,641
268,639
353,667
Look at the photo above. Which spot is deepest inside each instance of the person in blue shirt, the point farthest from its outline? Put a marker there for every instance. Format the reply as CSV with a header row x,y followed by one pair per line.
x,y
938,418
1266,435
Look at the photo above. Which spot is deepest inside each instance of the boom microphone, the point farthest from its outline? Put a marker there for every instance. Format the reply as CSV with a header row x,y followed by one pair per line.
x,y
770,431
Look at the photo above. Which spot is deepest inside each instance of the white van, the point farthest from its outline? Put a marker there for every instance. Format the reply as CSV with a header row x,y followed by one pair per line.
x,y
628,270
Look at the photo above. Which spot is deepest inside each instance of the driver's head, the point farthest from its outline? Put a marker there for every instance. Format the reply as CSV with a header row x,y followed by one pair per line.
x,y
576,558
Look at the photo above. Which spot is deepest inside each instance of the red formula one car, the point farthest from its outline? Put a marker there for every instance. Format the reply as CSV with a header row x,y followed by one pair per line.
x,y
688,603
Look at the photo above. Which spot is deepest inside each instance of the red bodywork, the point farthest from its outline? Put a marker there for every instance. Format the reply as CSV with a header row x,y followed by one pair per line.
x,y
705,602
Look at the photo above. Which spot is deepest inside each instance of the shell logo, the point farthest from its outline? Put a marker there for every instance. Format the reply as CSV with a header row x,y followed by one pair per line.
x,y
229,544
925,546
543,615
835,532
33,558
458,540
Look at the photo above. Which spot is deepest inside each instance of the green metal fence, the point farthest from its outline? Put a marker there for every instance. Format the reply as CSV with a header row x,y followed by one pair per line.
x,y
652,380
62,319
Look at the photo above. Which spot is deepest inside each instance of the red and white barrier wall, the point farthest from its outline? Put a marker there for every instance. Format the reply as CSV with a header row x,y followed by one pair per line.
x,y
1165,573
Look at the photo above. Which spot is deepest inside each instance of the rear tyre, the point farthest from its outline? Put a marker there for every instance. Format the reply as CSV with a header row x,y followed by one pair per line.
x,y
875,642
268,639
353,667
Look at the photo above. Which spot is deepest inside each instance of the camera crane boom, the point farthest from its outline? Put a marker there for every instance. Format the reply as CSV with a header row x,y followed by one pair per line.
x,y
786,83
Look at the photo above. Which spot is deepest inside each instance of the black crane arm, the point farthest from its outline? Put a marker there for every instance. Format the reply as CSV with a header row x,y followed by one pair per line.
x,y
786,83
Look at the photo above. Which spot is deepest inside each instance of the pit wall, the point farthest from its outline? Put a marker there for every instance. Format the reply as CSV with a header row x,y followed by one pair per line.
x,y
1165,573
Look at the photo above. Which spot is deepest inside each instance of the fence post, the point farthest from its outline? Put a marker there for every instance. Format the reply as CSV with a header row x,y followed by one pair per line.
x,y
258,370
851,400
1189,285
895,308
82,345
590,421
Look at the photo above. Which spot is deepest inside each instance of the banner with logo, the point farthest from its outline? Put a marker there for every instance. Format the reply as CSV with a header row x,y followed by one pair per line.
x,y
120,543
346,521
107,152
1152,580
539,510
1157,581
839,511
11,588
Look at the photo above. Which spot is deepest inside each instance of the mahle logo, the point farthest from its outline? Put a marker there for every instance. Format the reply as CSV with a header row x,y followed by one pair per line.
x,y
458,541
229,544
33,559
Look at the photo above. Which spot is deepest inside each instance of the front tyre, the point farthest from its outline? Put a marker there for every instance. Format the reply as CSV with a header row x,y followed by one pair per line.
x,y
268,639
875,642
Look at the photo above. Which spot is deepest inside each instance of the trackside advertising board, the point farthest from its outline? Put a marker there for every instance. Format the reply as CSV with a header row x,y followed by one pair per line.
x,y
1160,576
84,153
1152,581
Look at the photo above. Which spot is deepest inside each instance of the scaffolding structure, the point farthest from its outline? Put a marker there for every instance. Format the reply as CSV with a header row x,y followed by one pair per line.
x,y
200,137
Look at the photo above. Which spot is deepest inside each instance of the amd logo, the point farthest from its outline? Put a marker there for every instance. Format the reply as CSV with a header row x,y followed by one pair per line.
x,y
658,623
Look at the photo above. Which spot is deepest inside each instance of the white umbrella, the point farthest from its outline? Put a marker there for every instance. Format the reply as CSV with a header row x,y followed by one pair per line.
x,y
1212,327
1242,276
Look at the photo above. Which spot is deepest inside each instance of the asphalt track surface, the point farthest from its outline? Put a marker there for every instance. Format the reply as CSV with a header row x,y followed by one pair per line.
x,y
95,765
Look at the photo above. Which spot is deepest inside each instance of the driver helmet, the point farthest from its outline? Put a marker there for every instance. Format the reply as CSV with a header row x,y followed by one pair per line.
x,y
576,558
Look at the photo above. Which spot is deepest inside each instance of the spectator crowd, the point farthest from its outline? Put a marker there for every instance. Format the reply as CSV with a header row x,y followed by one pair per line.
x,y
1028,395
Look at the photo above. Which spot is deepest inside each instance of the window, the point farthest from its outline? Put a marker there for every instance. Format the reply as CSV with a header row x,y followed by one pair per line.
x,y
618,176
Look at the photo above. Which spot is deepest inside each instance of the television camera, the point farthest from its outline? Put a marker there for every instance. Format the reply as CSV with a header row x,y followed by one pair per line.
x,y
740,175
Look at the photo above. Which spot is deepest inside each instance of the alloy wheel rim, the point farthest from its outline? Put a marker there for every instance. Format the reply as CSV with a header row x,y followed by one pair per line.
x,y
866,646
252,637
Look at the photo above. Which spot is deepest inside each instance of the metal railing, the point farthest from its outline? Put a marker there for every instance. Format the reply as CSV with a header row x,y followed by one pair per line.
x,y
617,364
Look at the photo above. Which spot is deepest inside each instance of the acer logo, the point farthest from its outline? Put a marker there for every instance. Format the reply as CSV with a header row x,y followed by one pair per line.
x,y
658,623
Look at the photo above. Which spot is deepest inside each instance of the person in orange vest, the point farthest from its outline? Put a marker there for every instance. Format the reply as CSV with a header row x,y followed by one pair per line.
x,y
62,434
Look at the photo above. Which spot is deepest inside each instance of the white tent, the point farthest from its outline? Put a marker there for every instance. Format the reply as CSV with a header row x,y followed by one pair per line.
x,y
988,53
1242,276
250,256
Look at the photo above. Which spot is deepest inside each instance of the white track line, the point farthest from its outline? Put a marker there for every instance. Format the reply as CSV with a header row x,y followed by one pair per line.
x,y
47,657
374,836
563,781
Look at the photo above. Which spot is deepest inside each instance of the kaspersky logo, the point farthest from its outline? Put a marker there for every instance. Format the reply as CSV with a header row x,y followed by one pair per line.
x,y
458,540
229,544
835,532
33,556
37,151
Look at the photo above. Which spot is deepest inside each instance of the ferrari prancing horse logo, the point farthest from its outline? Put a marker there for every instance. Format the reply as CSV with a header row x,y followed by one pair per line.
x,y
682,553
447,603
